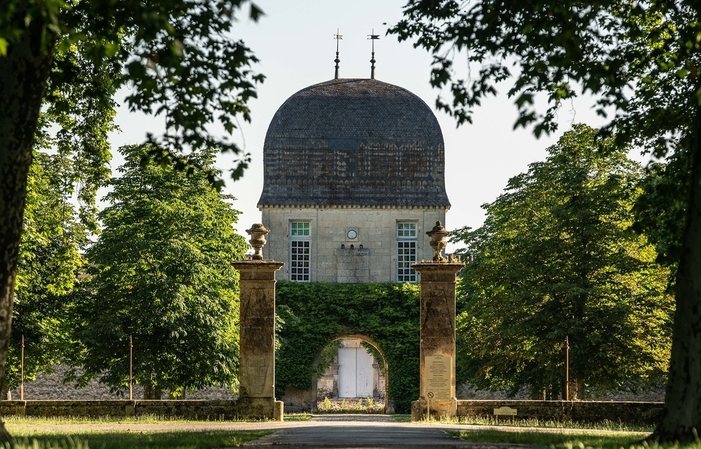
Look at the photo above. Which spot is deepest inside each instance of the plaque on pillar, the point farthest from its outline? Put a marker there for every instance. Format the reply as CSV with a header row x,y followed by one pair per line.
x,y
439,376
437,331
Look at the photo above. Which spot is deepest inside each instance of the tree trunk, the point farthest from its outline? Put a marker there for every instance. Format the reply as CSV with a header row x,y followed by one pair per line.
x,y
23,75
682,412
576,389
152,392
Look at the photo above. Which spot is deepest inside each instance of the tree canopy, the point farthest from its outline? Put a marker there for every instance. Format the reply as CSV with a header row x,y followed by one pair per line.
x,y
640,62
48,270
554,264
178,58
161,272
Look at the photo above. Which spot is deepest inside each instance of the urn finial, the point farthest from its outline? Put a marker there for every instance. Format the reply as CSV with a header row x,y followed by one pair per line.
x,y
257,233
438,242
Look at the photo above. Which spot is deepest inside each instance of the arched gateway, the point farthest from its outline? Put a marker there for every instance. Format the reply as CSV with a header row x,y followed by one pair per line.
x,y
353,178
335,312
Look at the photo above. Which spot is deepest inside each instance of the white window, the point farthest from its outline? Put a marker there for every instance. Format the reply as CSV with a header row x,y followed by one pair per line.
x,y
406,251
300,244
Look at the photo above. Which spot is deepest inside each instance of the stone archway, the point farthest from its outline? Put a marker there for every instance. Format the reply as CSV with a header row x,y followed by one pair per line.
x,y
356,372
314,314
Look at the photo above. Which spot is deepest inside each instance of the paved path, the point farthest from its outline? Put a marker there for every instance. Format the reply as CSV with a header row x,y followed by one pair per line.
x,y
323,431
361,431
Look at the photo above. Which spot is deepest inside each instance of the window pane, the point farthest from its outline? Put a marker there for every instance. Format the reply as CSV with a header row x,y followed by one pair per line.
x,y
299,260
406,255
406,230
299,229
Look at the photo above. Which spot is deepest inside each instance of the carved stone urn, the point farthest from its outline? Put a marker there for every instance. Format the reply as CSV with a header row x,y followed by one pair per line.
x,y
438,242
257,233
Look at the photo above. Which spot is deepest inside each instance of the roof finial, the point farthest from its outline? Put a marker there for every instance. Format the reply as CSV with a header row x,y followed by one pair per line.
x,y
338,37
373,37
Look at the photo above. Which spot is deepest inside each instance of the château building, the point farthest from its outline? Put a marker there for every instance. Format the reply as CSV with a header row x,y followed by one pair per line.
x,y
353,178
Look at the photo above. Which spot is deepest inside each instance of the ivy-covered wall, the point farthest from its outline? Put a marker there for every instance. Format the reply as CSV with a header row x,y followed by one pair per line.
x,y
311,315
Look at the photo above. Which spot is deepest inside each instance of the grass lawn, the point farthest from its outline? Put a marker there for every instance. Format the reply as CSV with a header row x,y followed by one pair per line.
x,y
560,439
567,439
131,440
31,433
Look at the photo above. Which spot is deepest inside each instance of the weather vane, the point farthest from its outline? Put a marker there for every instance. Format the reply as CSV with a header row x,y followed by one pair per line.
x,y
338,37
373,37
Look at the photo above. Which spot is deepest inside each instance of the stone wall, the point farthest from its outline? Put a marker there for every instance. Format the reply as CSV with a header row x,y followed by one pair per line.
x,y
52,387
580,411
188,409
376,231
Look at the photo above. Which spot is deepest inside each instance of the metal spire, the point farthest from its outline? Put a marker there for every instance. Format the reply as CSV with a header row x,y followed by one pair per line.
x,y
338,37
373,37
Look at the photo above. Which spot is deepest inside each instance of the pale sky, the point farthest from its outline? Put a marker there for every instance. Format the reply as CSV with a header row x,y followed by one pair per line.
x,y
295,44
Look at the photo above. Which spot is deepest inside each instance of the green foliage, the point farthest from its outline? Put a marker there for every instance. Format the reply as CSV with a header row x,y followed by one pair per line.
x,y
555,260
661,209
328,356
314,314
178,58
639,58
639,61
48,268
161,272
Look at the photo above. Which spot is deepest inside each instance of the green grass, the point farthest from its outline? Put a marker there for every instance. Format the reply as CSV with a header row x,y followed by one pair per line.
x,y
142,419
298,416
132,440
567,439
612,426
563,439
484,421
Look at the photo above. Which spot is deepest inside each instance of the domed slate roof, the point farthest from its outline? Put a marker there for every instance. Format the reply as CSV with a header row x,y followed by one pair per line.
x,y
354,142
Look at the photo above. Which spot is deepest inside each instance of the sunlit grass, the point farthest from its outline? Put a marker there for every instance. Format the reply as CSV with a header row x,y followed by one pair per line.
x,y
141,419
605,425
298,416
131,440
568,439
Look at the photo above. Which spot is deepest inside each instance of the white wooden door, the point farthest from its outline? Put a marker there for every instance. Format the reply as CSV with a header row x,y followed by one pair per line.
x,y
364,374
355,373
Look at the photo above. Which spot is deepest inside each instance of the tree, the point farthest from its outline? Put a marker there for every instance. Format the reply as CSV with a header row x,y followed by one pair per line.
x,y
555,262
161,272
48,268
661,209
638,59
176,56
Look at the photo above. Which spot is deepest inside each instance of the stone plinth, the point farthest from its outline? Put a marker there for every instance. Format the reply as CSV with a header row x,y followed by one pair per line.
x,y
437,388
257,339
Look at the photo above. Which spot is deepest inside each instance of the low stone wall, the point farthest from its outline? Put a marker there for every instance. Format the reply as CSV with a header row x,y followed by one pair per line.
x,y
189,409
580,411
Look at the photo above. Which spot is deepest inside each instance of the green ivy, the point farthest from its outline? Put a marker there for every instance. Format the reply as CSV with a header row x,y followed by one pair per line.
x,y
311,315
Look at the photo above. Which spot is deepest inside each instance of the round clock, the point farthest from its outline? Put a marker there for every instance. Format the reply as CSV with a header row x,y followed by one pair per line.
x,y
352,234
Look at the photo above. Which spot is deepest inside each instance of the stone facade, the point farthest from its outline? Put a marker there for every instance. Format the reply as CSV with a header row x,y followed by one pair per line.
x,y
370,257
354,175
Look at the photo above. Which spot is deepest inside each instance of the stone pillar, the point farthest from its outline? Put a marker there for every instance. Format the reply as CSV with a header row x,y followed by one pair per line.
x,y
257,337
437,387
